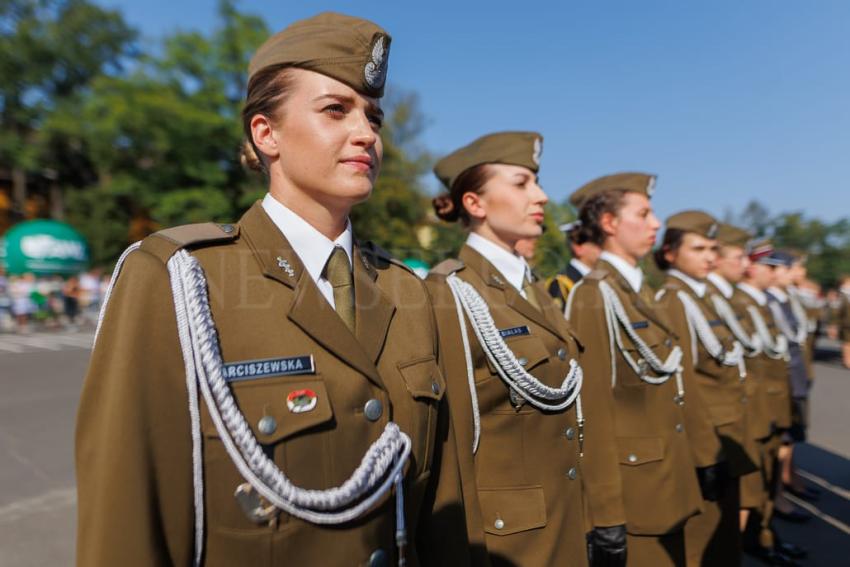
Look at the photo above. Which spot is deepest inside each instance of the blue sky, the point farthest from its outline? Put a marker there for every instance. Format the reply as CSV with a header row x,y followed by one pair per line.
x,y
726,100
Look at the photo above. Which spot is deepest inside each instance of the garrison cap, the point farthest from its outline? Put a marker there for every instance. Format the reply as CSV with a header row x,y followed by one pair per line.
x,y
512,148
351,50
729,235
634,182
697,222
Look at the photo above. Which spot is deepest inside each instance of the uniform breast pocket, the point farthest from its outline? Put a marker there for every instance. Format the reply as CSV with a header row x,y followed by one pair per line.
x,y
507,511
634,356
289,419
529,351
425,384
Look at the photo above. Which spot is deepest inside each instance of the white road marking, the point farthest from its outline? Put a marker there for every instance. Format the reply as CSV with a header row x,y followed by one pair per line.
x,y
59,498
834,522
837,490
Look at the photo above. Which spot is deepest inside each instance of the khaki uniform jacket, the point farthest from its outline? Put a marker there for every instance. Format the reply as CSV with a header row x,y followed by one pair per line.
x,y
654,429
775,373
721,386
521,489
134,447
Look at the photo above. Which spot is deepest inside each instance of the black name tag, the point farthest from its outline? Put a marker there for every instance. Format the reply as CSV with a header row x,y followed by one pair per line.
x,y
640,325
254,369
514,332
715,322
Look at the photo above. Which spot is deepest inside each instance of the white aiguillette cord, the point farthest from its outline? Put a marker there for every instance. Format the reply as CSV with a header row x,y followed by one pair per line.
x,y
535,392
699,324
750,342
798,337
617,318
774,348
379,471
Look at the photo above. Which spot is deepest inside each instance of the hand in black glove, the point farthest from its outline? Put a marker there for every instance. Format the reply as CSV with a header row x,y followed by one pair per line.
x,y
606,547
712,481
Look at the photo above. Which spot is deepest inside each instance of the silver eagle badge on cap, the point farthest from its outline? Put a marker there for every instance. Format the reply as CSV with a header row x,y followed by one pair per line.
x,y
375,71
538,151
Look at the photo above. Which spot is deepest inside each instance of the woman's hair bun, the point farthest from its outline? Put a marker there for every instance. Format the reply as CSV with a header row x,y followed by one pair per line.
x,y
249,158
445,207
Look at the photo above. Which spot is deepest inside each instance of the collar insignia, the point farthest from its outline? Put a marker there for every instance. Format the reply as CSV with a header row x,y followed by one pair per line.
x,y
283,264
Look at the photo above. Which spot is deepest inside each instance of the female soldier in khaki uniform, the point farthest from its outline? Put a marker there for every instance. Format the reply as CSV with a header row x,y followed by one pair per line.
x,y
717,361
511,363
267,393
662,430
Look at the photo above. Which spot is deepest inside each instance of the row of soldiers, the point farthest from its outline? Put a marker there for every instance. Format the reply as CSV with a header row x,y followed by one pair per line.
x,y
757,299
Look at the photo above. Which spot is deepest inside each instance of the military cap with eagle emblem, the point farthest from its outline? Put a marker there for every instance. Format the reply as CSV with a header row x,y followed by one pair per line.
x,y
512,148
634,182
698,222
351,50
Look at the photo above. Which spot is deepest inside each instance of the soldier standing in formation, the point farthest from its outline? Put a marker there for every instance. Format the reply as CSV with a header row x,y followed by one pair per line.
x,y
585,254
687,254
512,362
635,384
268,392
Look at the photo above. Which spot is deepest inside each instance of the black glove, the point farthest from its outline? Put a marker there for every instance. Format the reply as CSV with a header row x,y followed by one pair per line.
x,y
606,547
712,481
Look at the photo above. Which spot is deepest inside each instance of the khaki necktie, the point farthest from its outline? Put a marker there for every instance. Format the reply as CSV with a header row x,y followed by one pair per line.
x,y
338,273
528,289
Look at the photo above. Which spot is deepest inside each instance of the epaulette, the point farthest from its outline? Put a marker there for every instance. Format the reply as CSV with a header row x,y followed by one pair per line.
x,y
447,267
165,243
595,275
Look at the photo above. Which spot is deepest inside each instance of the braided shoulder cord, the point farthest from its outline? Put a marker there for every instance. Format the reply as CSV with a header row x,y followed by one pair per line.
x,y
699,326
799,312
796,337
380,468
108,293
775,348
508,367
470,374
750,342
617,318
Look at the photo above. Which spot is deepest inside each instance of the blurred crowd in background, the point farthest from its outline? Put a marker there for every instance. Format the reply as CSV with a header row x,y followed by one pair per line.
x,y
30,303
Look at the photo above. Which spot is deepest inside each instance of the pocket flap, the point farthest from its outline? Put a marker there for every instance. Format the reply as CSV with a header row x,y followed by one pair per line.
x,y
724,415
527,348
277,409
423,378
640,450
511,510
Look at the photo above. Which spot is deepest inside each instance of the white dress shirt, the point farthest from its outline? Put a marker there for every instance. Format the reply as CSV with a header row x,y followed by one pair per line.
x,y
512,266
722,284
697,286
582,268
633,274
757,294
312,247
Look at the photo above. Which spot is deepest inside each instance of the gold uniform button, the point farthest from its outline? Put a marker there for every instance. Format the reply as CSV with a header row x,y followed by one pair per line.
x,y
499,523
267,425
562,353
632,458
373,410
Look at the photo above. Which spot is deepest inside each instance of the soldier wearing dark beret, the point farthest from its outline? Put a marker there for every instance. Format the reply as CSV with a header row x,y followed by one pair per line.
x,y
633,374
511,361
269,392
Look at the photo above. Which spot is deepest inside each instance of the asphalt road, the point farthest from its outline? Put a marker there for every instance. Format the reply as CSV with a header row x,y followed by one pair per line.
x,y
40,384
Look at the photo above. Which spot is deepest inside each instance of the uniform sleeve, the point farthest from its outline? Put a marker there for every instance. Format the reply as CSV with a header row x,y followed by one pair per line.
x,y
600,465
705,445
447,536
133,442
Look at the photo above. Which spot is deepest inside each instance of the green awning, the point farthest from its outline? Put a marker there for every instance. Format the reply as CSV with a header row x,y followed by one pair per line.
x,y
44,247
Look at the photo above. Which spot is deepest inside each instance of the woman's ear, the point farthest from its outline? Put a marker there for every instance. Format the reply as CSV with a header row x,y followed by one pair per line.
x,y
669,255
609,223
262,131
473,205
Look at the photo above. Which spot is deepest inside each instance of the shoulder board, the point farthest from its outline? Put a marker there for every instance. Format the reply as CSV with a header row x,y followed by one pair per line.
x,y
166,242
377,256
447,267
596,275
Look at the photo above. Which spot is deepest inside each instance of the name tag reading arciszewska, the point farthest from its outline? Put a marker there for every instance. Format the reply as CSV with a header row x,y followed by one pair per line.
x,y
263,368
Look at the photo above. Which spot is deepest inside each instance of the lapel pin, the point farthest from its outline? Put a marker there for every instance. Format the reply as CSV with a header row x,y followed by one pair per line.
x,y
286,267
